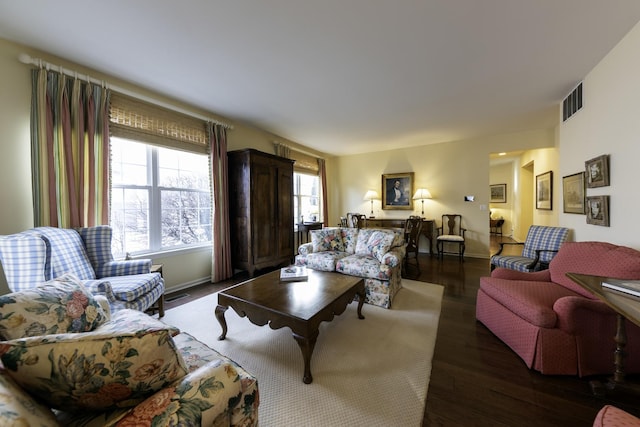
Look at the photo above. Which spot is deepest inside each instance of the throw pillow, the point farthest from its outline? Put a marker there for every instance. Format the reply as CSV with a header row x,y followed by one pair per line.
x,y
379,243
96,370
327,239
17,408
57,306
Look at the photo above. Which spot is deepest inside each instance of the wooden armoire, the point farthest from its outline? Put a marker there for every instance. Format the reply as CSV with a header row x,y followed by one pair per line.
x,y
260,210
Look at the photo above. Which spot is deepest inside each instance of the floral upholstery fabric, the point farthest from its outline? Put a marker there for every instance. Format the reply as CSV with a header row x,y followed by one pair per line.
x,y
327,239
95,370
17,408
217,392
57,306
374,254
323,261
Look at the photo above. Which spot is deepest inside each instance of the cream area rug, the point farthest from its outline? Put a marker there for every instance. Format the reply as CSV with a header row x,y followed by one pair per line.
x,y
371,372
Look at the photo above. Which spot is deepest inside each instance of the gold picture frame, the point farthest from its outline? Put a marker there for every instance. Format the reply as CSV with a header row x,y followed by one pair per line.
x,y
544,191
397,191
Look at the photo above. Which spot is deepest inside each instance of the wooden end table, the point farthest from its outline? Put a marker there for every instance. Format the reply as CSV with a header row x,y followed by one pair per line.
x,y
300,306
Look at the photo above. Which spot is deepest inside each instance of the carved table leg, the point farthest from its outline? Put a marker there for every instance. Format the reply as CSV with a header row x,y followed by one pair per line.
x,y
306,346
361,297
620,339
220,310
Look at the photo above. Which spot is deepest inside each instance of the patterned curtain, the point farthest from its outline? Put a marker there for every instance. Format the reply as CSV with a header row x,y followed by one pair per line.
x,y
322,171
69,151
221,243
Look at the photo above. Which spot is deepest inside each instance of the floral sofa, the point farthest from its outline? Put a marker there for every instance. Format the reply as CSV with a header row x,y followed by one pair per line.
x,y
67,361
373,254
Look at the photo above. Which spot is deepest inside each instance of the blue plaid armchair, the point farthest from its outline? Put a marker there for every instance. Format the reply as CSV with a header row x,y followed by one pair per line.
x,y
44,253
540,246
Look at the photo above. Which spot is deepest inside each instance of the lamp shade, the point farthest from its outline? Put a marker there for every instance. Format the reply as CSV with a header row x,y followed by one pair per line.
x,y
371,195
421,194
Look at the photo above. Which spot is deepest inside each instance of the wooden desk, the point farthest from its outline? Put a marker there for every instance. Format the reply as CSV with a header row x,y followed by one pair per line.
x,y
304,228
427,227
625,308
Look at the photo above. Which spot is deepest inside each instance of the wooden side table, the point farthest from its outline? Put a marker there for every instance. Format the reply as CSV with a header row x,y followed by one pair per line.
x,y
159,304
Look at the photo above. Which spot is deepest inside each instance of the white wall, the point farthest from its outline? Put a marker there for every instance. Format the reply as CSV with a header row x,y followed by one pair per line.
x,y
608,123
450,171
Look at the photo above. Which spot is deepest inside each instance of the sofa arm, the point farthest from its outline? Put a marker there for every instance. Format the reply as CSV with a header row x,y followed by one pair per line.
x,y
393,257
305,248
214,394
536,276
124,268
577,313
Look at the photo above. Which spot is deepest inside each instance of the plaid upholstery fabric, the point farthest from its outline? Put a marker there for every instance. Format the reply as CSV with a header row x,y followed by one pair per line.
x,y
538,237
25,260
43,253
68,254
97,241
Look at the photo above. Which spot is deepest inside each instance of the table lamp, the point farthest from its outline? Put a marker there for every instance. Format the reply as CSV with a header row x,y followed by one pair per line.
x,y
422,194
371,195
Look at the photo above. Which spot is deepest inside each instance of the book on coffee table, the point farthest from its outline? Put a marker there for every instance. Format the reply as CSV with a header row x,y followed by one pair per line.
x,y
293,273
629,287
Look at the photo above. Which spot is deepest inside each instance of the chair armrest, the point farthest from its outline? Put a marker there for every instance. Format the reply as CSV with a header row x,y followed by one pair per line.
x,y
124,268
502,245
214,394
577,313
100,287
305,248
536,276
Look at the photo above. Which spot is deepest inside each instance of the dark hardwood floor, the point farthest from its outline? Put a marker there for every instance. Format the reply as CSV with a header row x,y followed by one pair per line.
x,y
476,380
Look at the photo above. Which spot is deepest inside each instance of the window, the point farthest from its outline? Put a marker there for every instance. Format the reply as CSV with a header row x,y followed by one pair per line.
x,y
160,198
306,197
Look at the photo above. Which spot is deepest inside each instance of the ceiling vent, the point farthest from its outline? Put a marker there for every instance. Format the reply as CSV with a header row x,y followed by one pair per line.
x,y
572,103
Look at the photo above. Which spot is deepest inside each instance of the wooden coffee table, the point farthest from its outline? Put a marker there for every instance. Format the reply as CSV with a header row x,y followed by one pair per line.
x,y
299,305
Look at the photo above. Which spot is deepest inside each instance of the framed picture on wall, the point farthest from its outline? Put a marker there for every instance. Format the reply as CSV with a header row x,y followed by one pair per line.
x,y
597,170
598,210
498,193
573,193
397,191
544,191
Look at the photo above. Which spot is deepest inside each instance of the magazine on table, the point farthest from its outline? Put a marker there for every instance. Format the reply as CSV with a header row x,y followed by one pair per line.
x,y
293,273
629,287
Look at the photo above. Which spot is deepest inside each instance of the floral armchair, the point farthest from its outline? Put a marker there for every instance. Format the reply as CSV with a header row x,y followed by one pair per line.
x,y
68,361
376,255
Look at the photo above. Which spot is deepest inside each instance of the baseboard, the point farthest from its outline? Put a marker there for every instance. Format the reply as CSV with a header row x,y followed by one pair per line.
x,y
187,285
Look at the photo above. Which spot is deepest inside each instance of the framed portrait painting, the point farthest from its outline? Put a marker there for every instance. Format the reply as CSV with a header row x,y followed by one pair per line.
x,y
544,191
498,193
597,170
573,193
598,210
397,191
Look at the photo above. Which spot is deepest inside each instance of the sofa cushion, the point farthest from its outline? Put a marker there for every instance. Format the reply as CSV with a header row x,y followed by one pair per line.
x,y
375,242
324,261
57,306
327,239
118,364
350,239
531,300
363,266
17,408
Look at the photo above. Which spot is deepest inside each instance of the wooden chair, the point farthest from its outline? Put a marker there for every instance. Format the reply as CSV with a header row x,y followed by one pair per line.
x,y
412,230
343,221
356,220
451,232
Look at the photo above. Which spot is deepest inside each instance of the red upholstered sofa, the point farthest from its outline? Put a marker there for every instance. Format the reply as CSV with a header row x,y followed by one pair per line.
x,y
552,323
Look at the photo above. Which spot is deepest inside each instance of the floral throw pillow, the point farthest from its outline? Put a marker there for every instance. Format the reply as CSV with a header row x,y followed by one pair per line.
x,y
327,239
57,306
96,370
375,243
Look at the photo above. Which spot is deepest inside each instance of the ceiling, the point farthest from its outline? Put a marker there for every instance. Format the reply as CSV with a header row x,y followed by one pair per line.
x,y
341,76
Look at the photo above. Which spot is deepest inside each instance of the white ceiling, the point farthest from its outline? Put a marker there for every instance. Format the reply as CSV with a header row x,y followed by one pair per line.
x,y
341,76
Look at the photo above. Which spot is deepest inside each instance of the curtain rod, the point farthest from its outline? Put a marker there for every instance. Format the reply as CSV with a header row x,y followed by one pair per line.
x,y
29,60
